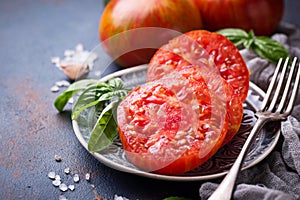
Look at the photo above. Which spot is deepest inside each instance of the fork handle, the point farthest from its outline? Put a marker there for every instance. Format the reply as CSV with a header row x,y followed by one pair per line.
x,y
225,189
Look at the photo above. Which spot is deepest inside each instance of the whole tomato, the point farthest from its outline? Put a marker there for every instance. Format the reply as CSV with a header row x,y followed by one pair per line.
x,y
263,16
132,30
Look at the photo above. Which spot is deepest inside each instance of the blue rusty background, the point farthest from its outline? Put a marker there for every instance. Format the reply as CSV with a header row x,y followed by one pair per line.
x,y
32,131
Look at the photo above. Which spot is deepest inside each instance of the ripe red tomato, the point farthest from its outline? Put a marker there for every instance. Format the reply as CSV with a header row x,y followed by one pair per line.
x,y
164,129
182,53
263,16
125,33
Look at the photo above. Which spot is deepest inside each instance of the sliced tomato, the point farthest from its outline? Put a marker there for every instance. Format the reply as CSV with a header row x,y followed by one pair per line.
x,y
227,58
164,128
213,54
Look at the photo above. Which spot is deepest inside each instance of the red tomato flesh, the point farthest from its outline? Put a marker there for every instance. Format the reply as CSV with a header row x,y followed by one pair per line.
x,y
181,53
164,128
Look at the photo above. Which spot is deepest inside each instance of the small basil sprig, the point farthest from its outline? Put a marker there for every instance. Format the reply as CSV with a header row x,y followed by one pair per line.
x,y
263,46
105,97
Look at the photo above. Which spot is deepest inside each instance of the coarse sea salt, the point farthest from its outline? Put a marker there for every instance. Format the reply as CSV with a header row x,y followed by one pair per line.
x,y
54,88
87,176
76,62
71,100
63,187
71,187
116,197
76,178
56,183
67,170
62,83
57,177
57,158
51,175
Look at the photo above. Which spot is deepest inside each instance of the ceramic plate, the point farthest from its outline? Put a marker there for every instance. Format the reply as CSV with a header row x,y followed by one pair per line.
x,y
217,166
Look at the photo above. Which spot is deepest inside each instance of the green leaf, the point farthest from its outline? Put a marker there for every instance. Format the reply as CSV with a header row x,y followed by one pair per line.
x,y
238,36
73,89
263,46
104,97
269,49
105,130
116,83
87,99
248,43
234,33
121,93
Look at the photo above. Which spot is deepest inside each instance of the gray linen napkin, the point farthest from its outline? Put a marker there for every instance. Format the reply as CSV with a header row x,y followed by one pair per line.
x,y
277,177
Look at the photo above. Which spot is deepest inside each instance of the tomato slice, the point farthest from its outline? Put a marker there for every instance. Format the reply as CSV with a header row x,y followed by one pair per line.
x,y
227,58
212,53
164,128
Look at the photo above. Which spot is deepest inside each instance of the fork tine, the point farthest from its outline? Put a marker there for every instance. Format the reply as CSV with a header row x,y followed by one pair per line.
x,y
271,86
287,87
279,85
294,92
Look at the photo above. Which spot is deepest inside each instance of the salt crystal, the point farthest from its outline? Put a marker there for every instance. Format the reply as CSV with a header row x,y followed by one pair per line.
x,y
57,158
116,197
63,187
71,100
51,175
65,83
57,177
71,187
69,53
66,60
87,176
76,178
67,170
62,197
55,60
54,88
62,83
79,47
76,62
56,183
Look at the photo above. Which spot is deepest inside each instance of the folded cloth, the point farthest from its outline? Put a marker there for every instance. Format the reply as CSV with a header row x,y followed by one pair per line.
x,y
277,177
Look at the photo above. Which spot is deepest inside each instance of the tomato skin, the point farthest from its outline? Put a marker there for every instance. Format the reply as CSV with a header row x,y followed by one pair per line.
x,y
263,16
134,48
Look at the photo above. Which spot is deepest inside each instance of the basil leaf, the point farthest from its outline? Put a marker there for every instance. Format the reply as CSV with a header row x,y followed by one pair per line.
x,y
234,33
236,36
269,49
88,98
121,93
248,43
105,130
116,83
263,46
73,89
104,98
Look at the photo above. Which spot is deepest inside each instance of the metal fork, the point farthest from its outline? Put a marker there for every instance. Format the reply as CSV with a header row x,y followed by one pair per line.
x,y
276,106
